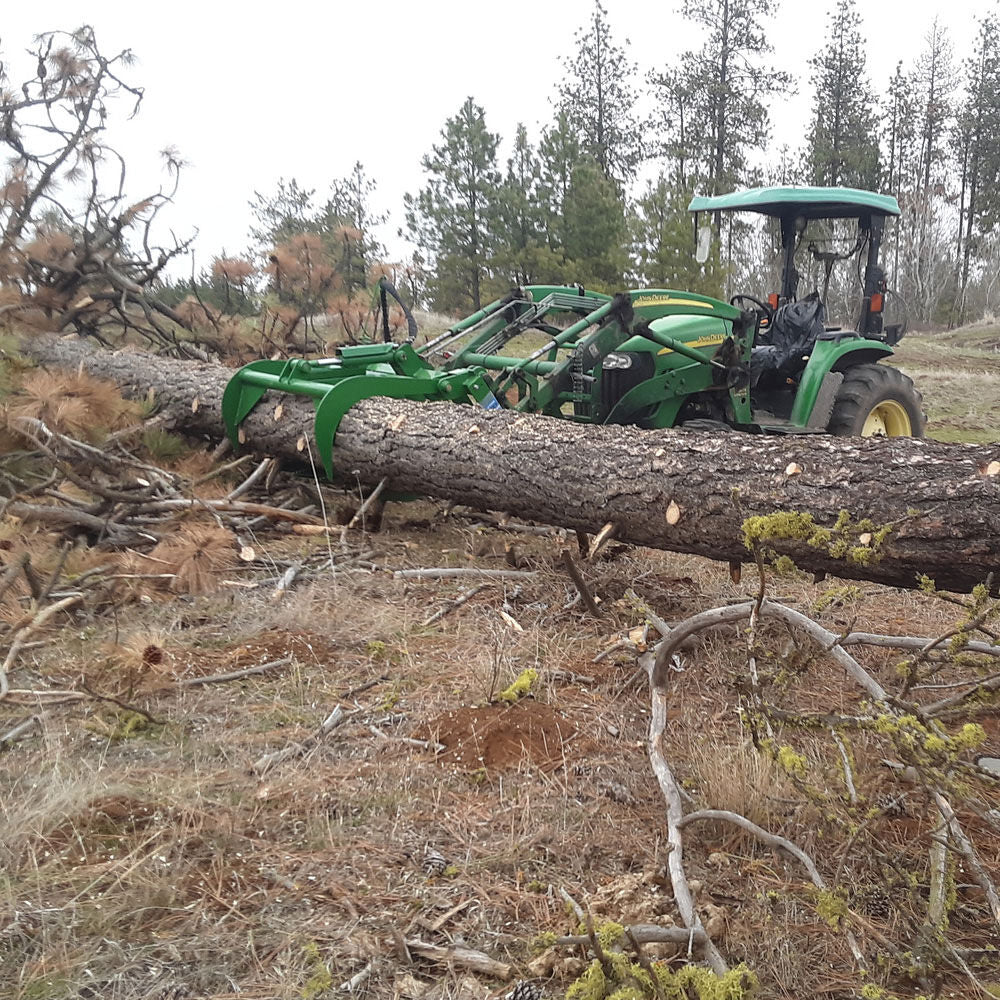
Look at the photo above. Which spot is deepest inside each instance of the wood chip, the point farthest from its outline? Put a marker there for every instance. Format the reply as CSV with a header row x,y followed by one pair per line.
x,y
673,512
300,445
194,405
311,529
510,620
993,468
396,423
241,436
278,411
793,469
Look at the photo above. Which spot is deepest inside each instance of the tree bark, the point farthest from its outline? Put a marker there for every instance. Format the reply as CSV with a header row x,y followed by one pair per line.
x,y
683,491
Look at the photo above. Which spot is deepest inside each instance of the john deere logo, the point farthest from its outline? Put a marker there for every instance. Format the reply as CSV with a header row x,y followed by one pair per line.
x,y
669,300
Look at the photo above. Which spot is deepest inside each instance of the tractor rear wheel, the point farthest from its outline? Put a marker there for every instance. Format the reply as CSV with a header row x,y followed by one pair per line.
x,y
877,401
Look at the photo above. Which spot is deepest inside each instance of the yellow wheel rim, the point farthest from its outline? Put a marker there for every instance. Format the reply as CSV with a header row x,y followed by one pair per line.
x,y
887,419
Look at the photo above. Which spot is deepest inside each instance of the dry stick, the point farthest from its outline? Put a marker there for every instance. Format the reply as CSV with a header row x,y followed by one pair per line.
x,y
651,616
286,581
581,585
601,539
334,719
457,955
848,774
235,675
362,510
409,741
11,573
644,934
250,480
454,605
446,573
965,846
768,609
19,640
19,730
242,460
350,985
232,506
675,812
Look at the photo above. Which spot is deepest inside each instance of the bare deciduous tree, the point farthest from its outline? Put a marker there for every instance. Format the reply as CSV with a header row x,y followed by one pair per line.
x,y
75,251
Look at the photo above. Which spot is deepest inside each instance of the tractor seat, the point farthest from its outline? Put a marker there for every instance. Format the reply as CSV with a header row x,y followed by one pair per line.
x,y
793,330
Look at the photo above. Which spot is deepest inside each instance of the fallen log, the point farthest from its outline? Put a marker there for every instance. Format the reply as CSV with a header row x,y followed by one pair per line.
x,y
914,506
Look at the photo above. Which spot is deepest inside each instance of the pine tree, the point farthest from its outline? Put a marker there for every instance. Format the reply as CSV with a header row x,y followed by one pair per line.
x,y
347,223
674,98
598,99
522,254
935,82
453,218
595,228
975,147
288,212
843,148
729,79
559,152
662,244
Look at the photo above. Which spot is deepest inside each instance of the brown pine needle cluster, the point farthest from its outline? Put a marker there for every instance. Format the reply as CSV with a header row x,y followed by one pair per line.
x,y
71,403
196,556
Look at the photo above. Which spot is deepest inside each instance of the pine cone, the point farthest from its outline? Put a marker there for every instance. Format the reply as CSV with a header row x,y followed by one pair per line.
x,y
875,901
524,990
434,862
891,805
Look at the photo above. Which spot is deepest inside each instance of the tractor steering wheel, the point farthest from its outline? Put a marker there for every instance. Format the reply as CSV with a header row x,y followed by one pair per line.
x,y
765,311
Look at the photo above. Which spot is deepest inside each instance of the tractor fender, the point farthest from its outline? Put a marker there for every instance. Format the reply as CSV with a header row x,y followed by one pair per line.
x,y
833,355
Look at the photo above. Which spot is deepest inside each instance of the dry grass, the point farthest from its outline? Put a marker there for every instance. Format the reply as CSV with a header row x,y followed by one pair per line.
x,y
149,862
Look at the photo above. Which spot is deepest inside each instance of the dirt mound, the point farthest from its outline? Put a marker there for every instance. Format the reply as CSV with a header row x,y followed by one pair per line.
x,y
501,736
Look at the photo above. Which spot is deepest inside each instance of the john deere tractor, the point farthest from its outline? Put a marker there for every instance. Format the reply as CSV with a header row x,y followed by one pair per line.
x,y
652,358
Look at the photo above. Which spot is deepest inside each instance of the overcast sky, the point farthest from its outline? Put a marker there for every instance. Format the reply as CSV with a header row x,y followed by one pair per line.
x,y
249,92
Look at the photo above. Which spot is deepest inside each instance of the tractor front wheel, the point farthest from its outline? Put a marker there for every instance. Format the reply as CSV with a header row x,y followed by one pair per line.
x,y
877,401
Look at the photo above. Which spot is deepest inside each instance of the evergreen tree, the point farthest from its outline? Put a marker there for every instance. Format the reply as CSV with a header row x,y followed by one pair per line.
x,y
453,218
675,100
900,129
288,212
595,228
598,99
347,224
843,148
662,242
729,81
559,152
522,255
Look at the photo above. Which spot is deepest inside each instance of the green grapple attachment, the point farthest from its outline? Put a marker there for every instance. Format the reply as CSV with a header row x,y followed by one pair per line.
x,y
394,371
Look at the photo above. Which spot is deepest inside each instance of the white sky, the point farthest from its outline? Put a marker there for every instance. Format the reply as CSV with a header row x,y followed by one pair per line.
x,y
249,92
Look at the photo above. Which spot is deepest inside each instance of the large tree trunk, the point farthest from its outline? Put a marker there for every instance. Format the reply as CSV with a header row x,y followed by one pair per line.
x,y
684,491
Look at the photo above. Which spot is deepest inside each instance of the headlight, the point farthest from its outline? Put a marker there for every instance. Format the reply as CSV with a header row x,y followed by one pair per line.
x,y
616,361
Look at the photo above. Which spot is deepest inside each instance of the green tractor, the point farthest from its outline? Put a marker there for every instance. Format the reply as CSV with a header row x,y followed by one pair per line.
x,y
652,358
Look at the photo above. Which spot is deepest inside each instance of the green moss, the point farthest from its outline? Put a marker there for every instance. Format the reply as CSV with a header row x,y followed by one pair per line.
x,y
793,763
521,686
320,980
842,541
124,725
542,942
627,980
838,596
831,907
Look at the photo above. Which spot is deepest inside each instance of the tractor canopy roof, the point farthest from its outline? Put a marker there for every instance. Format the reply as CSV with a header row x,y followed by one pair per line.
x,y
807,202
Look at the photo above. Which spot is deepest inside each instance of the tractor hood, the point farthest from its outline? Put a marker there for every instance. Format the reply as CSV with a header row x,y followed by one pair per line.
x,y
692,331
